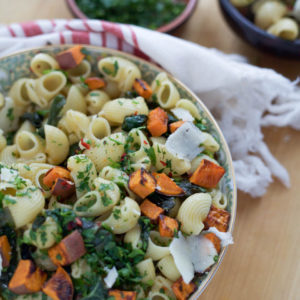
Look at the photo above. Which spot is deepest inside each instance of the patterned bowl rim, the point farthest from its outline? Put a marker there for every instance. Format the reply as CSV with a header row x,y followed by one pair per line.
x,y
207,113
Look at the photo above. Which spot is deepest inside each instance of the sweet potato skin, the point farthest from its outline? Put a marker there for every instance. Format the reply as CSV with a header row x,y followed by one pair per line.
x,y
208,174
5,251
27,278
182,290
122,295
167,226
70,58
95,83
68,250
157,123
142,183
151,210
54,173
174,126
59,286
63,188
218,218
142,88
214,239
166,186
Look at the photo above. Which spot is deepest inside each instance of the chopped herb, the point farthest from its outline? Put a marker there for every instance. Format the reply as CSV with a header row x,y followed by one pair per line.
x,y
86,206
10,114
200,125
117,213
115,141
216,258
151,154
131,122
26,167
114,72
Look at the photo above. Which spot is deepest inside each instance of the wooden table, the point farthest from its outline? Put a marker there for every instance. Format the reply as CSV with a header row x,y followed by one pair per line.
x,y
264,262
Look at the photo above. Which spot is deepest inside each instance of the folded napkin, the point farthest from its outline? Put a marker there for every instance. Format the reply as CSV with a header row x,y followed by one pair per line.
x,y
242,97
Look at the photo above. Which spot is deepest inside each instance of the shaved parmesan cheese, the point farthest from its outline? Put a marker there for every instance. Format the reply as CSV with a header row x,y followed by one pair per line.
x,y
202,252
182,114
181,254
225,237
186,141
8,175
111,277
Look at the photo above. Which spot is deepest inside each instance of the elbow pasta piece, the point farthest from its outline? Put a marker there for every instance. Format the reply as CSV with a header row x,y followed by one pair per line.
x,y
193,212
43,62
38,158
95,101
116,110
26,126
219,199
74,101
110,149
162,283
49,85
133,237
9,155
147,270
285,28
19,93
269,13
98,129
124,216
157,246
119,70
112,89
210,143
83,172
83,70
168,268
165,91
29,144
190,107
9,116
57,145
79,268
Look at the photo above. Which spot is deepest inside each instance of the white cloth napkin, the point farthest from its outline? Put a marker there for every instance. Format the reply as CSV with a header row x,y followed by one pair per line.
x,y
242,97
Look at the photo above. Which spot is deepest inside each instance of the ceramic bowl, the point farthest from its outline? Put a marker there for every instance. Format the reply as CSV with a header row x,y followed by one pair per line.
x,y
17,65
259,38
181,19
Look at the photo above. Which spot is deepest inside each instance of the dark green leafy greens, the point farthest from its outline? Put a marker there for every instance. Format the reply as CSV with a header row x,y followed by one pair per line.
x,y
190,188
131,122
146,227
163,201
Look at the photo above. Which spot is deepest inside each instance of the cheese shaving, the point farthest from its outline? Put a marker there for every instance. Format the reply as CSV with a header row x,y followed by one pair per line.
x,y
182,114
225,237
111,277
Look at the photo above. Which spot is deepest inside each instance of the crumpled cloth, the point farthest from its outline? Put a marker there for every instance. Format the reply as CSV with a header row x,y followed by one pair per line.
x,y
242,97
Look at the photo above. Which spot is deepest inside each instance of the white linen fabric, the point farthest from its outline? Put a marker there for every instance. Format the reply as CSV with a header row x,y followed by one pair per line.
x,y
242,97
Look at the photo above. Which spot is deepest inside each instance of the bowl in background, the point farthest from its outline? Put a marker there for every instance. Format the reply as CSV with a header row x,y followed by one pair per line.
x,y
259,38
181,19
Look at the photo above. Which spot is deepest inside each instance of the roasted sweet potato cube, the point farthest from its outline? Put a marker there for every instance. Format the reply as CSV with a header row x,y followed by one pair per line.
x,y
208,174
122,295
157,123
214,239
5,251
167,226
142,183
68,250
63,188
55,173
95,83
142,88
59,286
182,290
218,218
151,210
174,126
27,278
166,186
70,58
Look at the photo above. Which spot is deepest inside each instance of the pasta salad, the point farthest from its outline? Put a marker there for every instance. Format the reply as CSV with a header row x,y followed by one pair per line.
x,y
110,186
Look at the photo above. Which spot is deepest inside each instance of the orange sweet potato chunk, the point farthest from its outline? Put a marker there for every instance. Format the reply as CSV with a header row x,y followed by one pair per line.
x,y
122,295
27,278
55,173
207,175
95,83
142,88
174,126
142,183
214,239
59,286
182,290
166,186
5,251
167,226
218,218
151,210
68,250
70,58
157,123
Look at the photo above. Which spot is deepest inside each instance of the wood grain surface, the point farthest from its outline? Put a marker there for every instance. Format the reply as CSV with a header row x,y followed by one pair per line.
x,y
264,262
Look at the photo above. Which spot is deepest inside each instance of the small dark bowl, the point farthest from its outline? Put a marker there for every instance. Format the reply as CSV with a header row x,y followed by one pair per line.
x,y
181,19
256,36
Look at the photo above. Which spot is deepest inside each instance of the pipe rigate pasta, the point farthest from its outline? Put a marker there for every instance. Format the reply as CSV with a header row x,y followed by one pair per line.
x,y
75,101
42,63
168,268
98,129
95,101
83,70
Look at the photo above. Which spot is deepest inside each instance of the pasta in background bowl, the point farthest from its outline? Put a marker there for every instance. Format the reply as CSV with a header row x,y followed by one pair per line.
x,y
109,168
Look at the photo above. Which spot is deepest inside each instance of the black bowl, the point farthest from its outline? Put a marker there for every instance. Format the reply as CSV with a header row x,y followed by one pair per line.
x,y
256,36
